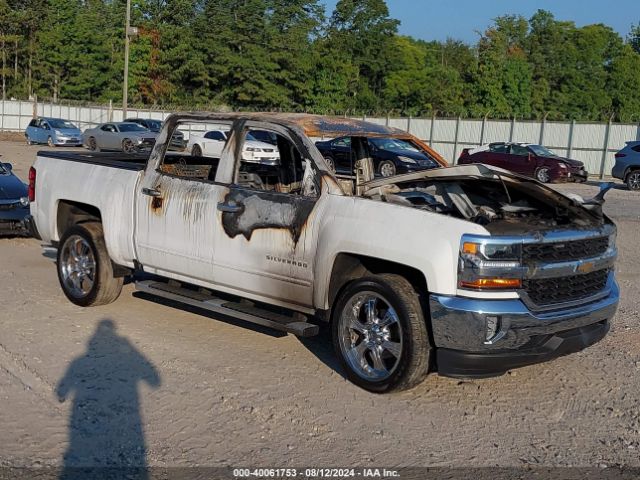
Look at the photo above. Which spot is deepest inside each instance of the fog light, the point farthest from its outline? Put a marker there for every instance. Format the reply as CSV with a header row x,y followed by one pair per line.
x,y
492,327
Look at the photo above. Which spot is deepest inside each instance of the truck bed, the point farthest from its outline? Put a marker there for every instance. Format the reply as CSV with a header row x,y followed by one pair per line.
x,y
121,160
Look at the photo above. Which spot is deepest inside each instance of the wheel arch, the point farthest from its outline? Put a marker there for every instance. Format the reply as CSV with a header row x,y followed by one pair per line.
x,y
71,213
349,266
630,169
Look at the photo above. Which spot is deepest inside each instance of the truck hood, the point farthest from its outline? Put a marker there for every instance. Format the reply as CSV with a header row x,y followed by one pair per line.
x,y
11,187
502,202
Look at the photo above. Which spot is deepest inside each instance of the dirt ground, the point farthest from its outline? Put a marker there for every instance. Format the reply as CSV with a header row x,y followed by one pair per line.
x,y
139,379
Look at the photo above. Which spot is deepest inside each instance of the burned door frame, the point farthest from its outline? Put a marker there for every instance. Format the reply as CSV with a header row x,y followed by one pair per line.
x,y
265,239
175,218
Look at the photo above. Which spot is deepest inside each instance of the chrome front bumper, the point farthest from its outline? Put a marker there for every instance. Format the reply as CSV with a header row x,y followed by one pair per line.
x,y
478,338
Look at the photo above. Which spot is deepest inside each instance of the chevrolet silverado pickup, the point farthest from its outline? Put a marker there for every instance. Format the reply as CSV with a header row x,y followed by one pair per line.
x,y
467,271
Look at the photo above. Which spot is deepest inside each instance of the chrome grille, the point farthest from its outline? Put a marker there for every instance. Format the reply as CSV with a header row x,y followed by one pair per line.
x,y
549,291
564,251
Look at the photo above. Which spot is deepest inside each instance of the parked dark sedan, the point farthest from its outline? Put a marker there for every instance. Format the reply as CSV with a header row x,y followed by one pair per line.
x,y
14,204
390,156
527,159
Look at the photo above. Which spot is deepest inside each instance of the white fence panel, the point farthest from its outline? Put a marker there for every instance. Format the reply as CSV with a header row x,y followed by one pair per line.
x,y
585,142
421,128
589,135
527,132
497,131
556,136
401,123
470,132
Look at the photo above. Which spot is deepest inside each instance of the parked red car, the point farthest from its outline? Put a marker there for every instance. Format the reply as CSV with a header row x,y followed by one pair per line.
x,y
527,159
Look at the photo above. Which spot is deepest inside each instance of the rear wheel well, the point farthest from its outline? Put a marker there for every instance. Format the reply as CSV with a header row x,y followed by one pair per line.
x,y
71,213
348,267
630,170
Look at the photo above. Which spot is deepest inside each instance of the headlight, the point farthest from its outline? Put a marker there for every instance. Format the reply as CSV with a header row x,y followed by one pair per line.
x,y
253,149
486,265
58,132
563,166
406,159
24,201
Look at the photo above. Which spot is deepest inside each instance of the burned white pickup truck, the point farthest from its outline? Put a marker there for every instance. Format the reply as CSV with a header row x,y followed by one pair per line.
x,y
466,271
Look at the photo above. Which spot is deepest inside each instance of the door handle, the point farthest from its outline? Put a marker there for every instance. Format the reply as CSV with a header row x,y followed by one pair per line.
x,y
226,207
152,192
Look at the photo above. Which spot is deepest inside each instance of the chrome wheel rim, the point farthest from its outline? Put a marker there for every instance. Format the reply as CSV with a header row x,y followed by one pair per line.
x,y
128,146
196,152
370,336
387,170
543,175
330,164
50,141
78,266
92,144
634,181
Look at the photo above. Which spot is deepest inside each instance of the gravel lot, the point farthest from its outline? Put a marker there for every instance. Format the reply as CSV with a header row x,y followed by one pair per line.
x,y
138,378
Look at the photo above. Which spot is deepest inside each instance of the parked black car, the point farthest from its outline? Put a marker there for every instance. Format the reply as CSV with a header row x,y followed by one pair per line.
x,y
177,139
15,218
390,156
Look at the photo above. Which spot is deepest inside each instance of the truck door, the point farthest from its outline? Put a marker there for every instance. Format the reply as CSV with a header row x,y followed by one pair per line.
x,y
265,238
176,214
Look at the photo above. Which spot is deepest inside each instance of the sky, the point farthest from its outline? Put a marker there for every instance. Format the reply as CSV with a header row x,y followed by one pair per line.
x,y
460,19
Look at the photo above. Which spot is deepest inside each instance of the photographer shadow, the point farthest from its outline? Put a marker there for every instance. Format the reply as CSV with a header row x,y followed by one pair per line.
x,y
106,434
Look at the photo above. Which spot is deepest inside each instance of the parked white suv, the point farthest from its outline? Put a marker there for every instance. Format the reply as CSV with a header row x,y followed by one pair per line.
x,y
212,142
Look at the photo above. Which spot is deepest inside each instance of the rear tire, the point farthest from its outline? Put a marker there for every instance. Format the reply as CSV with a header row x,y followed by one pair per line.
x,y
380,334
633,180
84,267
92,144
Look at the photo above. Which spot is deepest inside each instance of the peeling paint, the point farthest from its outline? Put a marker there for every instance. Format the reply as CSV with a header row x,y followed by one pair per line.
x,y
266,210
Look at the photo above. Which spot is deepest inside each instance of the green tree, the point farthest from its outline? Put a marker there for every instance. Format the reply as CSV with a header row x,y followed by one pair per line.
x,y
624,84
364,32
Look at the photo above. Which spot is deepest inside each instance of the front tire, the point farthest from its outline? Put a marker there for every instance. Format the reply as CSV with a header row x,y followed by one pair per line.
x,y
542,175
84,267
633,180
330,163
50,142
29,142
380,334
196,151
128,146
387,168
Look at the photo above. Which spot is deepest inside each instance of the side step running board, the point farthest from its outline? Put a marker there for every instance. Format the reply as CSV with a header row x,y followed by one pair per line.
x,y
242,311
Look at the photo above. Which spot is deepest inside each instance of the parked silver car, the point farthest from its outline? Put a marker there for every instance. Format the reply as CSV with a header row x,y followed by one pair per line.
x,y
121,136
